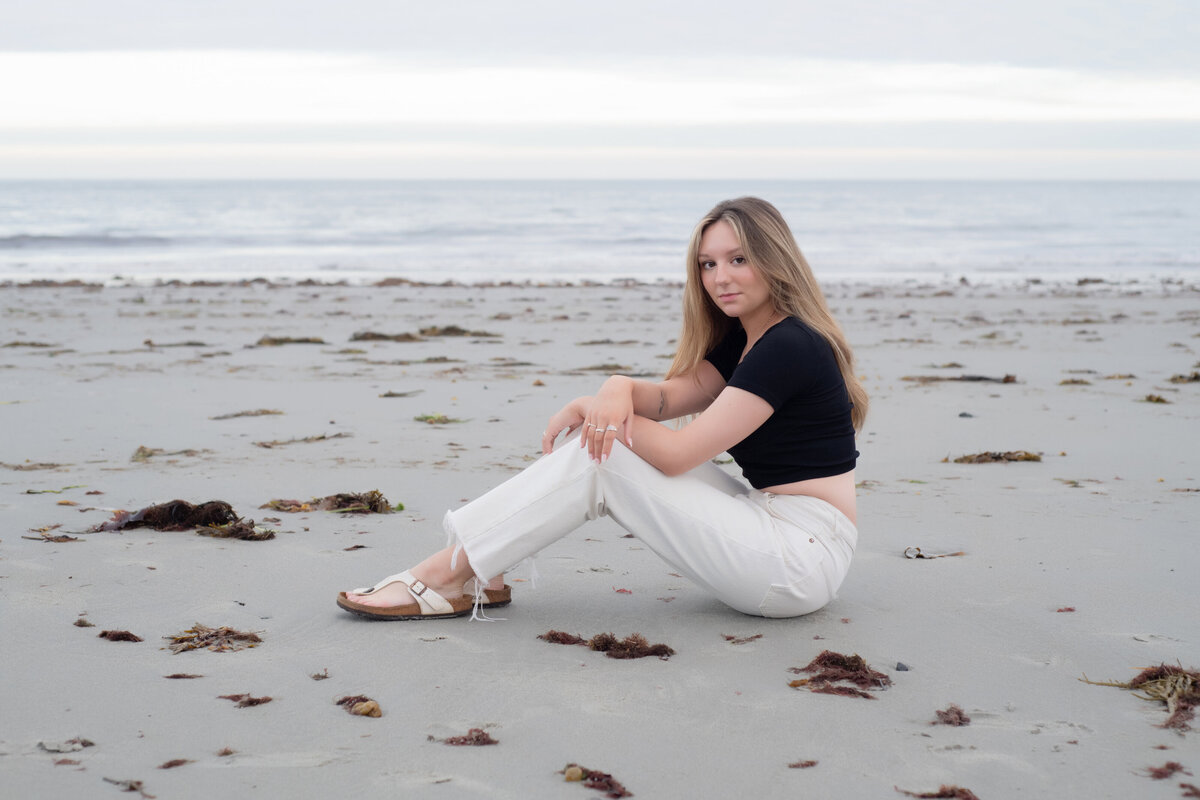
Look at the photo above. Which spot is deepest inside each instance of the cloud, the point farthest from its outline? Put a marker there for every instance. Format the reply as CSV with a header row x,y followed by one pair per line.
x,y
205,89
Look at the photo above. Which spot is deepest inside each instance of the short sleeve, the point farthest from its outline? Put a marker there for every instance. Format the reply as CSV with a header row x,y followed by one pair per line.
x,y
727,352
787,361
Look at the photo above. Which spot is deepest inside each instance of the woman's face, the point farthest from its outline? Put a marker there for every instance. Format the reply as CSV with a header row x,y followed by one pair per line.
x,y
729,278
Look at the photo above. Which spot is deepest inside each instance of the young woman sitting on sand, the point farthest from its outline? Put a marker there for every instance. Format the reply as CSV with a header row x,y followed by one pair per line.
x,y
762,357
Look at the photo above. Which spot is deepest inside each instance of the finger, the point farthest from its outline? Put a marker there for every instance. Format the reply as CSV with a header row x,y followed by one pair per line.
x,y
610,436
596,443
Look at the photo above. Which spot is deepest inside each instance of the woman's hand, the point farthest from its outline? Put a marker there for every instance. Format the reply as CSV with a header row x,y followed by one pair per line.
x,y
609,415
568,418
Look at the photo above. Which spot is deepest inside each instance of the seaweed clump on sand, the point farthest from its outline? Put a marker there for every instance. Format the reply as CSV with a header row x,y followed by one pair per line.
x,y
1166,771
177,515
372,502
476,737
219,640
278,341
595,779
952,715
995,457
120,636
238,529
830,671
213,518
1175,686
633,646
375,336
455,330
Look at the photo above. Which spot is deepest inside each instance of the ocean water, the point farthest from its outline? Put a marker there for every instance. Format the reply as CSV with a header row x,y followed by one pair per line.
x,y
571,231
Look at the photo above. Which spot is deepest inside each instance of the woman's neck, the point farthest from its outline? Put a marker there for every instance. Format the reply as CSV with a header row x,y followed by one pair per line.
x,y
757,325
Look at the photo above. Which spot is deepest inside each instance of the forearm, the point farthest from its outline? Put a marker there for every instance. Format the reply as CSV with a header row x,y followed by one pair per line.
x,y
660,446
649,398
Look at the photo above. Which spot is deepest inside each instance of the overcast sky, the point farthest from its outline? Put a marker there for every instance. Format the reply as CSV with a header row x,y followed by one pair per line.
x,y
539,89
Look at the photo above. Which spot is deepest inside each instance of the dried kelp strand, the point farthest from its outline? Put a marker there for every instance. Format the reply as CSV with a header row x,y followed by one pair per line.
x,y
130,786
174,762
454,330
260,412
802,764
245,700
741,639
238,529
303,440
950,792
1176,687
561,637
372,336
182,676
276,341
120,636
220,640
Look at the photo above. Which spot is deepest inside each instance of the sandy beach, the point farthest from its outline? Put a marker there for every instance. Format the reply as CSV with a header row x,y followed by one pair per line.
x,y
1081,563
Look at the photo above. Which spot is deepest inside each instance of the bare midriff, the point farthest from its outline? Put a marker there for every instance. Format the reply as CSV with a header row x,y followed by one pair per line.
x,y
837,490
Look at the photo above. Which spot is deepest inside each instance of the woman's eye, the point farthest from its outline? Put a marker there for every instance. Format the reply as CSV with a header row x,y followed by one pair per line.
x,y
739,260
707,264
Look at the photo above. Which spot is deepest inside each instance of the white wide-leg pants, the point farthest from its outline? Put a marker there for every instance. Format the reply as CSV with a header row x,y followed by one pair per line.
x,y
764,554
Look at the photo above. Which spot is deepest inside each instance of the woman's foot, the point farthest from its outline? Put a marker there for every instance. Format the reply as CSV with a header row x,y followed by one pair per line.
x,y
437,574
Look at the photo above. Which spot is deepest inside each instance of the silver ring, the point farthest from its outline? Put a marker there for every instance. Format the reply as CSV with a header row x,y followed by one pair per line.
x,y
611,428
590,425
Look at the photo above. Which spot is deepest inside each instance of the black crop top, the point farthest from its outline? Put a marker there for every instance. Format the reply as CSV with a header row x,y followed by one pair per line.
x,y
810,434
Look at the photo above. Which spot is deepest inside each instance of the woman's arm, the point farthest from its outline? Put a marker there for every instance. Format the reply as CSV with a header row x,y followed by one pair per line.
x,y
609,415
729,419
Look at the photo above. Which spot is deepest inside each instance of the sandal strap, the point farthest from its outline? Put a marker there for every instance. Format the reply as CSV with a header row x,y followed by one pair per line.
x,y
429,601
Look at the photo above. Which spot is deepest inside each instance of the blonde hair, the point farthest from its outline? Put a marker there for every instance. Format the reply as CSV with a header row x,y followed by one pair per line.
x,y
768,244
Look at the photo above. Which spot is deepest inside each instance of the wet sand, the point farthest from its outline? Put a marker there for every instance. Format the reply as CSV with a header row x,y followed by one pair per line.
x,y
1102,525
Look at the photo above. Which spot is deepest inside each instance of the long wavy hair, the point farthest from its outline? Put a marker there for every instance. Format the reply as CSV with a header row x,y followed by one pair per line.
x,y
771,249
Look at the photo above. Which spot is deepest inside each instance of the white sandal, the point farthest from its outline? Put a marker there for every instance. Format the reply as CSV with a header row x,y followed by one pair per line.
x,y
429,604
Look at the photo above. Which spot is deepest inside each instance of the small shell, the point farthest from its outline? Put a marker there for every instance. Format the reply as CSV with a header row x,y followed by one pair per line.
x,y
573,774
367,709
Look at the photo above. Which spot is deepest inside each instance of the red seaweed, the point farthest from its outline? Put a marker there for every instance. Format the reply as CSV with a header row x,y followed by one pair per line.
x,y
476,737
830,668
1167,770
952,715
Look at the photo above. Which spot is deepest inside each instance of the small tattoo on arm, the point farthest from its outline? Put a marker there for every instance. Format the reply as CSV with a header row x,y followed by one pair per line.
x,y
662,403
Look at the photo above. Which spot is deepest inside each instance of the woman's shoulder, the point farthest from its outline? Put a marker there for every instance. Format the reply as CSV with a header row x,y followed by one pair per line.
x,y
793,331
